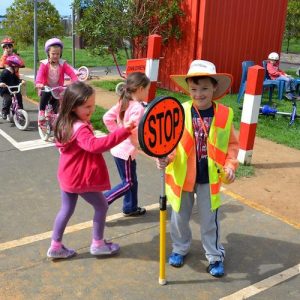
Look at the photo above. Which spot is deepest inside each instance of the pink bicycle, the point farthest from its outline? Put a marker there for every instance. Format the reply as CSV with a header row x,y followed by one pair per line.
x,y
16,114
46,127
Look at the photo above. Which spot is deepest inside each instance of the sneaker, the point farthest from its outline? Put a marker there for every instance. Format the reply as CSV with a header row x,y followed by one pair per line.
x,y
63,252
107,249
4,115
289,96
176,260
138,212
216,269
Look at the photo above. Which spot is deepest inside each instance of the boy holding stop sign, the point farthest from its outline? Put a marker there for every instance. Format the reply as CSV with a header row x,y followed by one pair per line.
x,y
205,156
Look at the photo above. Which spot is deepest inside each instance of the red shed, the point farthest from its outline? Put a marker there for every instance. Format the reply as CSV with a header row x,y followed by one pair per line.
x,y
225,32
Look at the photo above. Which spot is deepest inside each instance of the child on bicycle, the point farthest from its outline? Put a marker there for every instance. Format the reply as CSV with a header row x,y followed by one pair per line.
x,y
129,107
7,45
9,77
82,170
51,73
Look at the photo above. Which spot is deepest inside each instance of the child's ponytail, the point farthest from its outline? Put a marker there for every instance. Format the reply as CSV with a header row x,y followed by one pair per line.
x,y
134,81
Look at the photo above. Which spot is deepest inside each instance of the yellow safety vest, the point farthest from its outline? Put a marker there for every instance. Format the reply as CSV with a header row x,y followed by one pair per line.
x,y
217,146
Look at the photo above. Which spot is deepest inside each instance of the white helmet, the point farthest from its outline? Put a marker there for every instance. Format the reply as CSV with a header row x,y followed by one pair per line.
x,y
273,56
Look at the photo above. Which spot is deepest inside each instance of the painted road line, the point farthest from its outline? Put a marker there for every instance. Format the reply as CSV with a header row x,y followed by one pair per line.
x,y
264,284
70,229
34,144
27,145
259,207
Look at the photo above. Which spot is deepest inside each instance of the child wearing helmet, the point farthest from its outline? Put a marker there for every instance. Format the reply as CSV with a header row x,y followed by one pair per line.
x,y
9,77
51,73
276,73
7,44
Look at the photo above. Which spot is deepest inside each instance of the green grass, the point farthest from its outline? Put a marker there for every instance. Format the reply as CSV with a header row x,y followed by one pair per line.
x,y
245,171
108,85
294,46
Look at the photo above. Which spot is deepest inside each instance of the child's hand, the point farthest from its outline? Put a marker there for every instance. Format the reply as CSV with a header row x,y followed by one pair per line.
x,y
3,85
130,125
39,85
161,163
229,175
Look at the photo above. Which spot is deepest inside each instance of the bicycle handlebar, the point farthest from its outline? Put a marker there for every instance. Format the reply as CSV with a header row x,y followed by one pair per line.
x,y
18,87
49,89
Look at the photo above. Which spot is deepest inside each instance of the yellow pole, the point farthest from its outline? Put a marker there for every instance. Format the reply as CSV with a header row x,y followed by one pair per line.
x,y
162,232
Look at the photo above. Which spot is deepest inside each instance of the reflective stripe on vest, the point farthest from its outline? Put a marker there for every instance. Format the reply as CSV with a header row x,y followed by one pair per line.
x,y
217,146
177,169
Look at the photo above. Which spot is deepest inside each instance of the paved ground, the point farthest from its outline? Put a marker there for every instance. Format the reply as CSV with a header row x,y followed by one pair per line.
x,y
260,231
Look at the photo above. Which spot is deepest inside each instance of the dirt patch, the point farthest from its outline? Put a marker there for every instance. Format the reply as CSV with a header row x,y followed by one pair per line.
x,y
276,184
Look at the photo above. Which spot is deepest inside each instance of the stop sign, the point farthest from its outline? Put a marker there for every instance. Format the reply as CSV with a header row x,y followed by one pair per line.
x,y
161,127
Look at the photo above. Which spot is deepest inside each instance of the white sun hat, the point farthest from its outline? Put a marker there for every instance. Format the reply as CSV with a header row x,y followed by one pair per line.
x,y
200,68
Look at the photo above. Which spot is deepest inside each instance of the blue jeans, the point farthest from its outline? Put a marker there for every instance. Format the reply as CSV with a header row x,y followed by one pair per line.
x,y
289,83
127,188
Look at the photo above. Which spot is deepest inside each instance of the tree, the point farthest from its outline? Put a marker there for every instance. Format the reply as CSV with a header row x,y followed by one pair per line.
x,y
110,23
292,26
19,22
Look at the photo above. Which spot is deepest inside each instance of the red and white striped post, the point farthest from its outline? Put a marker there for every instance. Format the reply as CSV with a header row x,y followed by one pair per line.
x,y
152,63
251,105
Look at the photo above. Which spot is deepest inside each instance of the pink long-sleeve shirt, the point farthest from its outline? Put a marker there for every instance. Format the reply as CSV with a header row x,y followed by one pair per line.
x,y
274,71
111,119
42,76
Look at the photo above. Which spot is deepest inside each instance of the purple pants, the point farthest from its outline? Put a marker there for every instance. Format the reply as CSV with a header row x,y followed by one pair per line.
x,y
68,204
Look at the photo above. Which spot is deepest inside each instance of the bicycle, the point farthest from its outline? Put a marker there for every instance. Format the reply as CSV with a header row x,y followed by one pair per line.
x,y
46,128
16,114
82,73
267,110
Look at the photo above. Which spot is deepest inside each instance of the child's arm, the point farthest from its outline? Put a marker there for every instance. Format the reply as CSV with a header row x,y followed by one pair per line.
x,y
231,162
40,76
70,72
87,141
110,118
274,71
135,116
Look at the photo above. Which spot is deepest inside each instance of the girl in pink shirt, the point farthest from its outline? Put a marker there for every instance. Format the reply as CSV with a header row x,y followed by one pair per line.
x,y
128,108
82,169
52,73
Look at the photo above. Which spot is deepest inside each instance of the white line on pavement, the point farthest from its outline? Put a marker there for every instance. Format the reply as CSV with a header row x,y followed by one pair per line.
x,y
264,284
46,235
27,145
34,144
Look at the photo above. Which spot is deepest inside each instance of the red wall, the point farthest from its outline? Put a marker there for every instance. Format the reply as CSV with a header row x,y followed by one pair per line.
x,y
225,32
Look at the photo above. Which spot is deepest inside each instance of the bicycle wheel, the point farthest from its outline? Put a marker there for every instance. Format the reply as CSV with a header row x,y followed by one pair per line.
x,y
83,73
119,88
21,119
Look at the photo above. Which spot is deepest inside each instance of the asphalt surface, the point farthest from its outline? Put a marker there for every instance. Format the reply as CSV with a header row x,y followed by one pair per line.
x,y
263,253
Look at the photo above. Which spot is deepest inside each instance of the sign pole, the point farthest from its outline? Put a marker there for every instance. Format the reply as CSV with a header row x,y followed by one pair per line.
x,y
159,132
162,231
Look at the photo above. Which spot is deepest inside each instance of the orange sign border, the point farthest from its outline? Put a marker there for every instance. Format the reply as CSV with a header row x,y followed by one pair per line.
x,y
141,127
